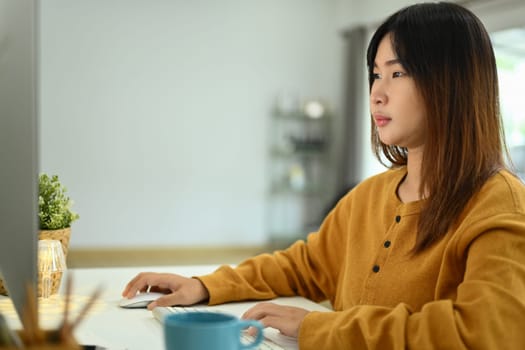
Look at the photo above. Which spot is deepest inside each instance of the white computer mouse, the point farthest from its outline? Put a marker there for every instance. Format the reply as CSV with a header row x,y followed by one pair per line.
x,y
140,300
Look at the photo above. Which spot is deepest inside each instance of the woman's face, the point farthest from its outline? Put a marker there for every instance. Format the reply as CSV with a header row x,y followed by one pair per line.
x,y
396,106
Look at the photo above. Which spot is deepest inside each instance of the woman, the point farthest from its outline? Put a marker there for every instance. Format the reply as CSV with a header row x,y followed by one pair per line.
x,y
429,254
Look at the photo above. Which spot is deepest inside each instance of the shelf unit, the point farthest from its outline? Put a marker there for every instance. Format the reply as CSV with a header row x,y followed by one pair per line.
x,y
299,163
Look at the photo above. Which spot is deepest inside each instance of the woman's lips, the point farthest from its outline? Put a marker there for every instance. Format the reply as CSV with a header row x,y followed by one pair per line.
x,y
381,120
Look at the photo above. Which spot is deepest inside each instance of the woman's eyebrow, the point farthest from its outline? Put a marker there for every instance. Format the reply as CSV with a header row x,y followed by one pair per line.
x,y
391,62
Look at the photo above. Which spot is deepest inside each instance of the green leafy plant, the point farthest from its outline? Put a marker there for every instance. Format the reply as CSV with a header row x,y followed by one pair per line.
x,y
54,206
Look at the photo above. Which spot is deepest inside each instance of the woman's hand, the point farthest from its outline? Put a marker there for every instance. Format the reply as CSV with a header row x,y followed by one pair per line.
x,y
179,290
287,319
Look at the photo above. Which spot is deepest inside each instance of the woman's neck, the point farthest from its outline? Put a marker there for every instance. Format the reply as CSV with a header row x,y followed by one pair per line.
x,y
409,189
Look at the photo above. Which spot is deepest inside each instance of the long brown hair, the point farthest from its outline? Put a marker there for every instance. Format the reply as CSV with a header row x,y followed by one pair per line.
x,y
447,51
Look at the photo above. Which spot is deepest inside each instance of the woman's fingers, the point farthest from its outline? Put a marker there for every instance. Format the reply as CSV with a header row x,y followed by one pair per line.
x,y
191,291
287,319
165,283
140,282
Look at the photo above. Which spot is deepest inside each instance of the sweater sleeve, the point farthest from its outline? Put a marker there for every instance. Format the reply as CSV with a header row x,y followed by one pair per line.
x,y
307,268
487,312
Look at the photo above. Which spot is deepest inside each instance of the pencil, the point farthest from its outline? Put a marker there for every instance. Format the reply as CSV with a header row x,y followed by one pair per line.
x,y
65,330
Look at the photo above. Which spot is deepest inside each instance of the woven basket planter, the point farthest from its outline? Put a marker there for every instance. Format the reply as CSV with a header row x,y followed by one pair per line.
x,y
62,235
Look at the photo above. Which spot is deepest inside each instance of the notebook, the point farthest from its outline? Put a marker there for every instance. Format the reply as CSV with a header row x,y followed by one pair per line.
x,y
273,339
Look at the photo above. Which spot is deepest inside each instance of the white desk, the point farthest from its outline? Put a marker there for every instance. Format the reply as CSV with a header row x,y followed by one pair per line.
x,y
107,324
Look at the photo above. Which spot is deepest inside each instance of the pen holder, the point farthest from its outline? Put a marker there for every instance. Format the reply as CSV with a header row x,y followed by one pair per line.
x,y
46,340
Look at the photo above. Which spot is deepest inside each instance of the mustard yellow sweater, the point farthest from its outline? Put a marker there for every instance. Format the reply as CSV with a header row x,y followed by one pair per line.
x,y
465,292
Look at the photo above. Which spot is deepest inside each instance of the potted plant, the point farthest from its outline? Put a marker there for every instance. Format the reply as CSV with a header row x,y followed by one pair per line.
x,y
55,218
54,210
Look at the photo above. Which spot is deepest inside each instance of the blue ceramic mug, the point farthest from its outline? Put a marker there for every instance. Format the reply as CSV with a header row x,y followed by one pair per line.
x,y
208,330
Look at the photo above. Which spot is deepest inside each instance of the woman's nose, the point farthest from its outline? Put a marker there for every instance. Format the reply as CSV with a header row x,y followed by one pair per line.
x,y
377,96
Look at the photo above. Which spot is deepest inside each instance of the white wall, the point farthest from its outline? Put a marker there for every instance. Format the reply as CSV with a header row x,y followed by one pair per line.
x,y
154,113
370,12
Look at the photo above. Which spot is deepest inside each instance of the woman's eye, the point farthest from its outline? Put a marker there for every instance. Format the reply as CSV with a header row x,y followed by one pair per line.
x,y
398,74
376,76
